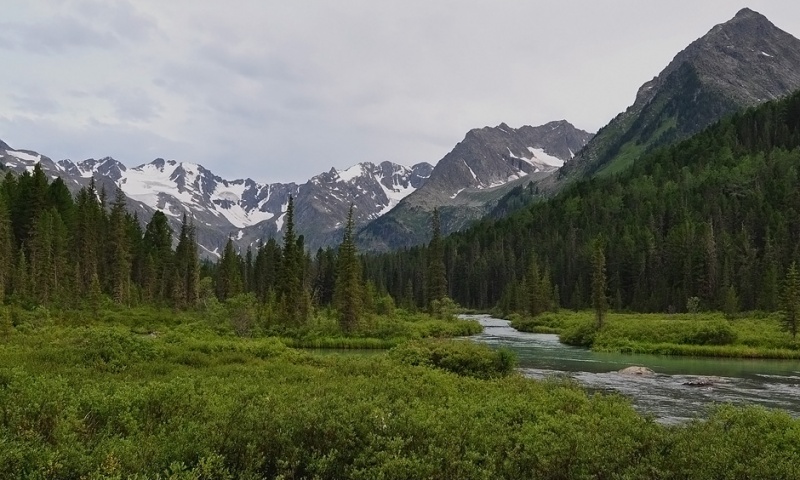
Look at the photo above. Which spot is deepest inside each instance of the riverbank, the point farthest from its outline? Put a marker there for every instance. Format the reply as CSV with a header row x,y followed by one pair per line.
x,y
108,400
702,334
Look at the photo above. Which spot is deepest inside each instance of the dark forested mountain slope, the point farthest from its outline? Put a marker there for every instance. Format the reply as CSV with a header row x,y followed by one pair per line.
x,y
715,217
740,63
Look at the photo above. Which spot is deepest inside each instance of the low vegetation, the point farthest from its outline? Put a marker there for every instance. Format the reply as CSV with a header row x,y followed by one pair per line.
x,y
148,394
707,334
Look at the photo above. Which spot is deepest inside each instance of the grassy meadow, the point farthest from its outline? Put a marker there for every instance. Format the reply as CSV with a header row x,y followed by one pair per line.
x,y
752,335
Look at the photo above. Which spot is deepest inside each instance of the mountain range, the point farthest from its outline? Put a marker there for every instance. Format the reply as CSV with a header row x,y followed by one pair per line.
x,y
250,212
737,64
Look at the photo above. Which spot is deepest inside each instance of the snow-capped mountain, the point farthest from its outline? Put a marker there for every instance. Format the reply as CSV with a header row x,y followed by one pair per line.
x,y
466,182
469,180
243,209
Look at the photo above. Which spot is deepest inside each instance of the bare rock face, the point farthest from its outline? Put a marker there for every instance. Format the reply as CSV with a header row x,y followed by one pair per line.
x,y
635,370
737,64
467,182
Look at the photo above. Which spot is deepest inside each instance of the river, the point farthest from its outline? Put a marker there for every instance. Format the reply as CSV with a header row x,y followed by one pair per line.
x,y
665,395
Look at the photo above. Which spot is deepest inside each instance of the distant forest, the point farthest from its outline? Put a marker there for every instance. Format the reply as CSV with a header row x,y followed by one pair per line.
x,y
714,219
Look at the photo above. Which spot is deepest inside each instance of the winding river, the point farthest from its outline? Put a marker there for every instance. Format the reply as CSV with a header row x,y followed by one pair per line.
x,y
665,395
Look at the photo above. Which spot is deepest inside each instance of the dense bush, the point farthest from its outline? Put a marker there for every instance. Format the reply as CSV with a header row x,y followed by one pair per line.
x,y
579,334
460,357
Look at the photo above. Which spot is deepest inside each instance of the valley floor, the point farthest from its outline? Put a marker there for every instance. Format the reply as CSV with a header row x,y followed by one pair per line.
x,y
153,395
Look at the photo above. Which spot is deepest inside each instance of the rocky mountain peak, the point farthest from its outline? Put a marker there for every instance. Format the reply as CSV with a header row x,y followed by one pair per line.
x,y
485,165
739,63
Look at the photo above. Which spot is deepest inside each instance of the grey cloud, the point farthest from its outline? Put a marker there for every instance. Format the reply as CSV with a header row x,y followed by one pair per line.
x,y
57,35
284,90
34,102
252,65
121,17
79,25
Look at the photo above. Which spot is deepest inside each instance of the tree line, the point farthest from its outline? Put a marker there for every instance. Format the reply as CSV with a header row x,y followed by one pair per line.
x,y
84,251
60,250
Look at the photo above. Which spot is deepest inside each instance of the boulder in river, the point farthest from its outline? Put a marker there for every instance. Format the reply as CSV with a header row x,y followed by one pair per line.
x,y
701,382
636,371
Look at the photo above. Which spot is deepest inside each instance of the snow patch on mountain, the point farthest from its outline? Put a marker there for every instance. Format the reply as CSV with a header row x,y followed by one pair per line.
x,y
353,172
543,157
24,156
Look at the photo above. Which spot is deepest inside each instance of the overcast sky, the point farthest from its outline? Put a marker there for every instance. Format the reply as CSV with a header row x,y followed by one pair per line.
x,y
283,90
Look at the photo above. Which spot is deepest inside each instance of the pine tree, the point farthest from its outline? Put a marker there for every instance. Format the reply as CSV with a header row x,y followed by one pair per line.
x,y
119,251
21,282
791,300
229,273
157,244
267,268
437,274
730,302
348,291
41,258
6,248
599,299
290,284
187,269
87,237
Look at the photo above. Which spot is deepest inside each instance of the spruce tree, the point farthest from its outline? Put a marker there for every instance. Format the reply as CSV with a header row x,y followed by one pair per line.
x,y
41,258
348,291
290,283
187,269
790,300
437,274
599,299
21,282
86,239
229,273
119,251
157,244
6,248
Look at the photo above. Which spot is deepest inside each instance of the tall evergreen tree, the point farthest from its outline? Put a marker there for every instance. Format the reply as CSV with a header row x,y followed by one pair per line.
x,y
229,273
437,273
290,284
187,268
119,250
157,245
6,248
348,290
599,298
87,237
791,300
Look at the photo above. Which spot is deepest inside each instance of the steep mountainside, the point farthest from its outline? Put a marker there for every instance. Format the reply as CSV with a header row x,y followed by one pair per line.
x,y
468,181
740,63
243,209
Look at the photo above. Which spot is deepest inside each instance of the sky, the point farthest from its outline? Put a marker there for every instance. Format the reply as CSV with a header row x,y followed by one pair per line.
x,y
280,91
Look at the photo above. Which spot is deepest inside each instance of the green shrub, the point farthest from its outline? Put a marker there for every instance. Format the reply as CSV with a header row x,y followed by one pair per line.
x,y
579,334
717,332
463,358
114,350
